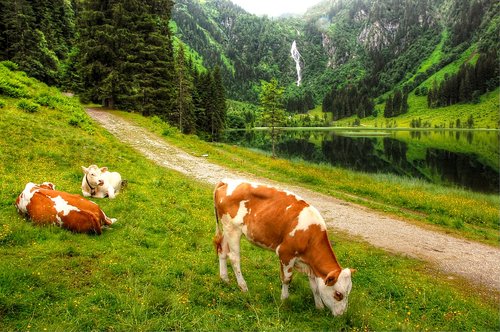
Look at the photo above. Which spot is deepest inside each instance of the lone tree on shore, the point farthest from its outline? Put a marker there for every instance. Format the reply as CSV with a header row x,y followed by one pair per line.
x,y
271,102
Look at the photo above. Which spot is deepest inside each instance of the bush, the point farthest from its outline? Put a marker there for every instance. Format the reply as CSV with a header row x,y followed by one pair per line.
x,y
13,90
27,105
48,101
10,65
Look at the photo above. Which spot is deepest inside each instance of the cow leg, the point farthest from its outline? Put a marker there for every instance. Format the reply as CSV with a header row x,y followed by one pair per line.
x,y
287,263
233,241
111,192
314,287
223,252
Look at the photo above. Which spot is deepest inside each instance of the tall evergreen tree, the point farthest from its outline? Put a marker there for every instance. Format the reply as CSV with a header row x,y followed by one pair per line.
x,y
271,101
184,104
388,109
126,56
29,36
218,117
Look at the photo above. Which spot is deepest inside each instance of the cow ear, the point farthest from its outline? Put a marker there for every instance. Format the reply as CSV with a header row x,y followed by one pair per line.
x,y
85,170
104,169
353,271
331,279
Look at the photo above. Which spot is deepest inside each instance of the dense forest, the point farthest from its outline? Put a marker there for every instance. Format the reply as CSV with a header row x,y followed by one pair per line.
x,y
118,53
181,60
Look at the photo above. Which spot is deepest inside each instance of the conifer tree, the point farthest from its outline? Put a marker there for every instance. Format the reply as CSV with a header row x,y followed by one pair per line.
x,y
388,110
218,117
184,104
271,101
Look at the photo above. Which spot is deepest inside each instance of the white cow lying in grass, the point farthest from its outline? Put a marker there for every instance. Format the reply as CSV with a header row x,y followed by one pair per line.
x,y
98,182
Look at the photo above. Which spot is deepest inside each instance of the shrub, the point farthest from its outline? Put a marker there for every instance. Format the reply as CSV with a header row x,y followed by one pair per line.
x,y
10,65
11,89
27,105
47,100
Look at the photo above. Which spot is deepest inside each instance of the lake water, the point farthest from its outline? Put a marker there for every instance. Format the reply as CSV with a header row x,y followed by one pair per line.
x,y
468,159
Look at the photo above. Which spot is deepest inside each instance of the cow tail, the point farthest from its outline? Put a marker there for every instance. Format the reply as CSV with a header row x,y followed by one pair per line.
x,y
218,227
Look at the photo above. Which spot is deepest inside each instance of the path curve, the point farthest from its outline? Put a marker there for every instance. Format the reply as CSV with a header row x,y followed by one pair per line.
x,y
478,263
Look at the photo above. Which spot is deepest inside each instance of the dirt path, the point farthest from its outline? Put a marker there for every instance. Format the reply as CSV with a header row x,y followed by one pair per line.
x,y
478,263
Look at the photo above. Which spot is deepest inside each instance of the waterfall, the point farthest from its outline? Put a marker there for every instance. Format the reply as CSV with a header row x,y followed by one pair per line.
x,y
296,57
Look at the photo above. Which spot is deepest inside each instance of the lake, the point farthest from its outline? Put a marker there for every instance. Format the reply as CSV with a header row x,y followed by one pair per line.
x,y
463,158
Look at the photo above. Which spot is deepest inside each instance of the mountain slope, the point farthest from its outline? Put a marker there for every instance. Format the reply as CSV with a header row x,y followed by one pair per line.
x,y
381,43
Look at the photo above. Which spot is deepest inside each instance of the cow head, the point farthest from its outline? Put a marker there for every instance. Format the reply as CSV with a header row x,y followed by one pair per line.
x,y
334,290
93,175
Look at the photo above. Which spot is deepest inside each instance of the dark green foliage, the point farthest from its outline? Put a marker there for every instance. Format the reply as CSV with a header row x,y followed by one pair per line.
x,y
210,104
126,56
467,84
183,108
396,104
28,106
347,102
464,19
37,35
298,100
12,89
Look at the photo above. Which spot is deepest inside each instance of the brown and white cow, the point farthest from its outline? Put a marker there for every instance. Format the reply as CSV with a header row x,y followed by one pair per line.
x,y
45,205
283,222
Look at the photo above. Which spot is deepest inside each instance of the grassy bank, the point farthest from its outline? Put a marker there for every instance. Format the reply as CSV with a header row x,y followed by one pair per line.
x,y
465,213
156,268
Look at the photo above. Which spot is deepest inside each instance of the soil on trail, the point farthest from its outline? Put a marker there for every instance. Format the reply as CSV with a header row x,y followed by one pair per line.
x,y
478,263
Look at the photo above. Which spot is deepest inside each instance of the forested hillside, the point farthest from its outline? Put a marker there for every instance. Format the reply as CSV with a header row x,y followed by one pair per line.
x,y
119,53
350,49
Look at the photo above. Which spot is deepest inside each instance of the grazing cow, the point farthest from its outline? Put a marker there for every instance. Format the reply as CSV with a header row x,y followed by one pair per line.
x,y
98,182
45,205
282,222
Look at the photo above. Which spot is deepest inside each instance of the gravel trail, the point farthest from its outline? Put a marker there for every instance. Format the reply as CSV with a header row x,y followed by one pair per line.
x,y
478,263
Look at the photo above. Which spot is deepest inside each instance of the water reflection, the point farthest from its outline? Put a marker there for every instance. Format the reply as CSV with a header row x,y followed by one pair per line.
x,y
468,159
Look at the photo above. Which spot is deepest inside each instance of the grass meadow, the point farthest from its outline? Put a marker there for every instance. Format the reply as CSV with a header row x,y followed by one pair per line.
x,y
156,269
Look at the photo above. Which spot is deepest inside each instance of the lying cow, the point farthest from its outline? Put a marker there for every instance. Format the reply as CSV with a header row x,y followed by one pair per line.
x,y
282,222
45,205
99,182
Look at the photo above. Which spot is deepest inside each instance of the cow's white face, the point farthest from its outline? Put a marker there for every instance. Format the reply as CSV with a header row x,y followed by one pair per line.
x,y
94,175
336,296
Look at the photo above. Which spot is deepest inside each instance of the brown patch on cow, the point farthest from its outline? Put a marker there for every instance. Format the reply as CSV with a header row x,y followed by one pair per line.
x,y
332,278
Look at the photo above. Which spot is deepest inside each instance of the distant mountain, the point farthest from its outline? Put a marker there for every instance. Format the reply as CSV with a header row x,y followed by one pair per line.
x,y
380,44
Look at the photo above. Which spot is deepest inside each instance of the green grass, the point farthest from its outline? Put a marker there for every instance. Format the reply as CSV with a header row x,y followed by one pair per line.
x,y
156,268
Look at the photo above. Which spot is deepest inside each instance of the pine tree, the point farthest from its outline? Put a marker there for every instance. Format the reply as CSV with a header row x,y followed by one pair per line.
x,y
24,41
218,118
397,103
184,104
126,54
388,109
271,101
404,104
